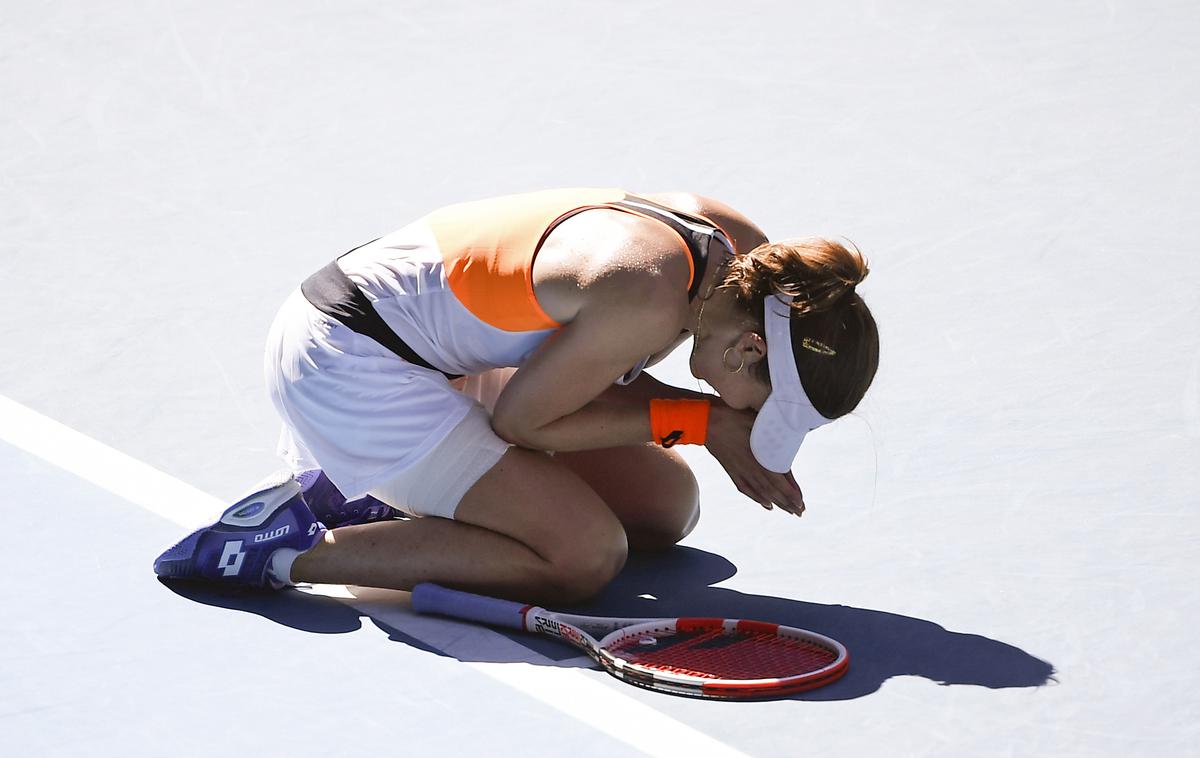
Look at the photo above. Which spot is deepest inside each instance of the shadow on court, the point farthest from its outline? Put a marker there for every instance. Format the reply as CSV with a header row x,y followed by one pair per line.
x,y
308,613
676,583
881,644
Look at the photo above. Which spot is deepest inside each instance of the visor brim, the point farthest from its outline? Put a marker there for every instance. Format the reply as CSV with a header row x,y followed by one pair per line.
x,y
774,440
787,416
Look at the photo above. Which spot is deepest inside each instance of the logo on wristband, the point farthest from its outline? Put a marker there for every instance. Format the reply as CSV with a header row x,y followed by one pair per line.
x,y
678,422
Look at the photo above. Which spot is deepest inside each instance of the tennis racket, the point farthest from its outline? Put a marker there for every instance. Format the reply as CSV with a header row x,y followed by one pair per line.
x,y
701,657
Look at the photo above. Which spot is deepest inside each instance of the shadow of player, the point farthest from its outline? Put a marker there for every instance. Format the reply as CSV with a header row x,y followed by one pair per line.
x,y
881,644
678,583
317,614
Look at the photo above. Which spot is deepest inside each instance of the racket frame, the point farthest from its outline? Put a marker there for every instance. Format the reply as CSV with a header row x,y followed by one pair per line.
x,y
595,635
608,631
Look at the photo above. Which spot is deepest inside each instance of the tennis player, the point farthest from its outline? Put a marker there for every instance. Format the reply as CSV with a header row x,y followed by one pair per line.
x,y
480,371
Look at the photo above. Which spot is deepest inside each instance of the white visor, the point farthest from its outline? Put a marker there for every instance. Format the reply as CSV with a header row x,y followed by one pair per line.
x,y
788,415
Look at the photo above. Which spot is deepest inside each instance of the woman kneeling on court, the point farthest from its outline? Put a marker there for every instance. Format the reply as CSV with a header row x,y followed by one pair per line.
x,y
480,370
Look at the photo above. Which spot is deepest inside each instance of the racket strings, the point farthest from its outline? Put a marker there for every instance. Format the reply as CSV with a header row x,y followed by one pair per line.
x,y
715,654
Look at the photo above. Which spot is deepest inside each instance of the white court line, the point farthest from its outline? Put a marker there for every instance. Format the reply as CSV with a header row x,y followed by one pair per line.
x,y
578,694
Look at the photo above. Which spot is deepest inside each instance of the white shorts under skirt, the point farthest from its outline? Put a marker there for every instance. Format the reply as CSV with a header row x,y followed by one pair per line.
x,y
373,422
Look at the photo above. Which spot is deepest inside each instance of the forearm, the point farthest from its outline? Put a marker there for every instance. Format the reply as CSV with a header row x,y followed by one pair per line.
x,y
599,424
619,417
646,388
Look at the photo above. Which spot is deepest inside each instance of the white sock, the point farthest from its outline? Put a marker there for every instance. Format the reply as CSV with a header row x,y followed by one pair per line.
x,y
279,566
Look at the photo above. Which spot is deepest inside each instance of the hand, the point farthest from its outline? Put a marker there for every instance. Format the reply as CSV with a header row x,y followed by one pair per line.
x,y
729,442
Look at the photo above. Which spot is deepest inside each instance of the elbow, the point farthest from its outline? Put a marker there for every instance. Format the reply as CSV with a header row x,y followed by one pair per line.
x,y
512,432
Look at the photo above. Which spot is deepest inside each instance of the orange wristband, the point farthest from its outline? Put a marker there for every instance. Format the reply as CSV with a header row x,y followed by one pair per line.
x,y
679,422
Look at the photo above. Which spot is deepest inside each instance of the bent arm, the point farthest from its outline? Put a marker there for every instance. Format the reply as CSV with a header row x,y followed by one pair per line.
x,y
646,388
553,402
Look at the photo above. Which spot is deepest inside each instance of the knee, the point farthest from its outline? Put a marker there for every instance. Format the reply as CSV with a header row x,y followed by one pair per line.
x,y
580,571
671,515
690,524
652,490
667,534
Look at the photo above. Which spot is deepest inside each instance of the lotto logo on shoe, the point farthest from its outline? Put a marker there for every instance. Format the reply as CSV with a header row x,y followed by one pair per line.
x,y
273,534
231,558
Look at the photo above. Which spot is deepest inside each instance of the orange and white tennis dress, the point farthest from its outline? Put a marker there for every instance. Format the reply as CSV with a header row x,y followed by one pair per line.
x,y
359,360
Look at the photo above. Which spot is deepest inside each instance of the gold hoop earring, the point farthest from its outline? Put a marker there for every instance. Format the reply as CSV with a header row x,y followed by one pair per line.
x,y
725,362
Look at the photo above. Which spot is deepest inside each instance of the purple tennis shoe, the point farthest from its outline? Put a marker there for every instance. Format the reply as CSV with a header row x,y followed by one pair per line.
x,y
238,547
332,508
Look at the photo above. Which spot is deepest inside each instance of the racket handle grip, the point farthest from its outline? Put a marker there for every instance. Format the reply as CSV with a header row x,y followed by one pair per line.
x,y
433,598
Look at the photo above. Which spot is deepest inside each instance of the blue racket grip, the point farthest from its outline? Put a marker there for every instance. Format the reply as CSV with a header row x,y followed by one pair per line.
x,y
433,598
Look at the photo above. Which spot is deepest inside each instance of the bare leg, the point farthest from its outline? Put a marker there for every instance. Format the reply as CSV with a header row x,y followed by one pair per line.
x,y
529,529
400,554
650,489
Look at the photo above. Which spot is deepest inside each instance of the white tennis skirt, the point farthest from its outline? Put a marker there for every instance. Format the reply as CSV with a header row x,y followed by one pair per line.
x,y
361,413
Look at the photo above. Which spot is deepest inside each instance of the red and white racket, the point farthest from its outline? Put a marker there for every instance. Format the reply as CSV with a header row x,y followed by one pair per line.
x,y
700,657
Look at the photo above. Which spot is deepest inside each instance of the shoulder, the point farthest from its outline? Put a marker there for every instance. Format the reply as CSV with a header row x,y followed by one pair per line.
x,y
647,291
607,256
746,235
643,283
